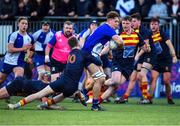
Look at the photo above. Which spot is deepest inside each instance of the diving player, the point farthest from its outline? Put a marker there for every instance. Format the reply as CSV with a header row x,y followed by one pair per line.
x,y
68,82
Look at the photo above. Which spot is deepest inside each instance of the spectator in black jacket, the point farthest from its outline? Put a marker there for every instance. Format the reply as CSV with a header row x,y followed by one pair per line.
x,y
23,8
38,9
100,10
7,9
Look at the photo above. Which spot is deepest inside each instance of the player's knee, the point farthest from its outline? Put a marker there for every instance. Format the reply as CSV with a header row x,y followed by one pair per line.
x,y
115,81
133,78
139,76
2,79
166,80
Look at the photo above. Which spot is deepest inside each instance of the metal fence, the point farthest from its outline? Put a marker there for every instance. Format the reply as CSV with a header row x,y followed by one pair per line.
x,y
6,27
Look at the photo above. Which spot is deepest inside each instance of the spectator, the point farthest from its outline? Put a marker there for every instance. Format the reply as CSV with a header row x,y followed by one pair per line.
x,y
124,7
51,11
23,8
159,9
66,8
100,10
37,9
82,7
142,7
174,11
110,4
7,9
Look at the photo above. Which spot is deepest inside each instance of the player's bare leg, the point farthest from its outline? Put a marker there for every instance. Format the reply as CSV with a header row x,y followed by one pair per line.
x,y
166,79
131,85
99,78
144,82
4,93
3,77
51,102
154,77
46,91
116,79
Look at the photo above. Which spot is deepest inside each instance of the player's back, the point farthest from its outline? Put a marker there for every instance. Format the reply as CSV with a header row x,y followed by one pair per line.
x,y
75,65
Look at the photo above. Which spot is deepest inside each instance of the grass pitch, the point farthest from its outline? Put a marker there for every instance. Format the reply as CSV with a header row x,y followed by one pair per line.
x,y
159,113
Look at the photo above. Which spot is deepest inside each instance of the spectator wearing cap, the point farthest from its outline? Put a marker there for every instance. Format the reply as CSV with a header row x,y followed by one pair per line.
x,y
41,38
85,33
7,9
100,10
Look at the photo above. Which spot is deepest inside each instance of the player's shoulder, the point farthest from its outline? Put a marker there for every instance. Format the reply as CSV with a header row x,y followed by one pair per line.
x,y
38,31
144,29
14,34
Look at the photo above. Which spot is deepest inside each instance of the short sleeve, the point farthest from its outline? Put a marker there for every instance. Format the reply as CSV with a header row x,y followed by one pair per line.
x,y
36,35
164,36
52,42
12,38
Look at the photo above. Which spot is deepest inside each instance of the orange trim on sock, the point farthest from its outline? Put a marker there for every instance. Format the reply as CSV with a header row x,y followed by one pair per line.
x,y
22,102
50,102
126,96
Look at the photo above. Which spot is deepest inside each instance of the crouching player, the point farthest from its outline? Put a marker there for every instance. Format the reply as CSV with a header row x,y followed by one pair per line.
x,y
67,84
23,87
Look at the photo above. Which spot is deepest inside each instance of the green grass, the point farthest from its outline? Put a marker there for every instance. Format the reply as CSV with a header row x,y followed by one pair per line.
x,y
160,113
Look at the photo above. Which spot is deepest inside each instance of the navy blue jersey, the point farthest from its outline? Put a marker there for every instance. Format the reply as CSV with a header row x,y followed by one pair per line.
x,y
159,40
146,34
76,63
102,35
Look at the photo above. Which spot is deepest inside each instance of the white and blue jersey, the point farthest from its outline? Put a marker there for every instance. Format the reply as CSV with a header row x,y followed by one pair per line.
x,y
16,59
85,33
18,41
98,38
41,40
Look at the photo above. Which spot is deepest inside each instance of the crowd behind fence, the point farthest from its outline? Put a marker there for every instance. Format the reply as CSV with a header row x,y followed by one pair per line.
x,y
6,27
